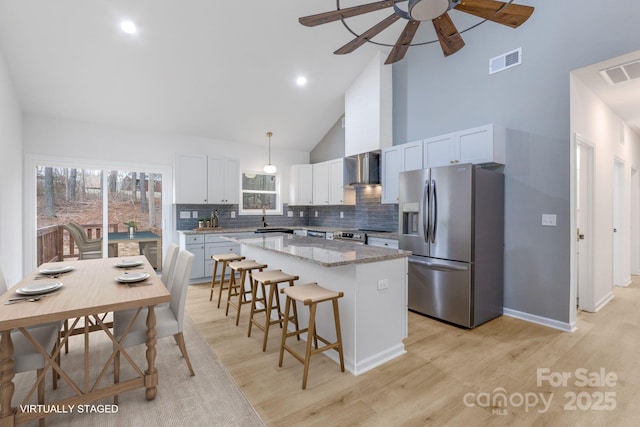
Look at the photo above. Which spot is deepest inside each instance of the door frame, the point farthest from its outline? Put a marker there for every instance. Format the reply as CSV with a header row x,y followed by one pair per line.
x,y
634,225
585,287
29,261
618,211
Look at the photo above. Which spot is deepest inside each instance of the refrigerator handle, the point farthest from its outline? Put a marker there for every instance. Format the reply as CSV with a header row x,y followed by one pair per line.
x,y
434,208
437,266
425,211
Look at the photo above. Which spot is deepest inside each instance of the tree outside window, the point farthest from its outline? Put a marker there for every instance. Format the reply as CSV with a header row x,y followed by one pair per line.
x,y
260,191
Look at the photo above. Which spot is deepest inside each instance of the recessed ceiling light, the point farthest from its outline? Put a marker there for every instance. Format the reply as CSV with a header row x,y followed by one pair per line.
x,y
128,27
301,81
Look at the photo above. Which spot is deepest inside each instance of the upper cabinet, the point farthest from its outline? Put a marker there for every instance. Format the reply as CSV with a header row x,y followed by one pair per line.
x,y
301,185
396,159
190,178
202,179
338,195
481,145
319,184
224,181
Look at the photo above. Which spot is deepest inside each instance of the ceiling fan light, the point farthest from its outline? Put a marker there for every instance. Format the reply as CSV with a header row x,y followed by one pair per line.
x,y
426,10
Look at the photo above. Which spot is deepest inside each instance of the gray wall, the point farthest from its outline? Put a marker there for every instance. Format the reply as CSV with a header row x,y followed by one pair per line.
x,y
435,95
331,146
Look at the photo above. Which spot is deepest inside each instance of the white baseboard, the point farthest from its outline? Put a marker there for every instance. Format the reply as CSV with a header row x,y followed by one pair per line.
x,y
370,362
603,301
544,321
626,283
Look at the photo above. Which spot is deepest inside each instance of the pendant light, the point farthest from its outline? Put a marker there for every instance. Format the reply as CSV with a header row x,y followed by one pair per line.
x,y
269,168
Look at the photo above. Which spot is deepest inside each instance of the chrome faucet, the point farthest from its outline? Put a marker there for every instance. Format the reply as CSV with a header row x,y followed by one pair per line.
x,y
264,217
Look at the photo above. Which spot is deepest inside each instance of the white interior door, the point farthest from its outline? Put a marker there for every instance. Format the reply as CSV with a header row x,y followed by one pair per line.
x,y
584,231
618,252
635,222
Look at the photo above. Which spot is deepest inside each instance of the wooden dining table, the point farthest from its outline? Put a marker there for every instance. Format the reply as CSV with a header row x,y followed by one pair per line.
x,y
88,290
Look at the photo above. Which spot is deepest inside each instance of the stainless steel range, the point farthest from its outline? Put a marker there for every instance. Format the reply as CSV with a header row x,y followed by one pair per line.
x,y
353,236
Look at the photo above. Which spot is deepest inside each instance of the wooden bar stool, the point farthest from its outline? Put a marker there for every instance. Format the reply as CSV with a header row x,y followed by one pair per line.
x,y
270,302
239,289
225,259
310,295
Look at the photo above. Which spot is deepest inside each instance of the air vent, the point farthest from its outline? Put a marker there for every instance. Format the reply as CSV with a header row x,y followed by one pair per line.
x,y
621,73
506,60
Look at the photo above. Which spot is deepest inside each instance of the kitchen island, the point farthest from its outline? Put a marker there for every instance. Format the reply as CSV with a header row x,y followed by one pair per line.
x,y
373,311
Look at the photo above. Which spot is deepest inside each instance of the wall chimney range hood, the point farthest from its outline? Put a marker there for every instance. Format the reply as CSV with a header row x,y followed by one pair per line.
x,y
362,169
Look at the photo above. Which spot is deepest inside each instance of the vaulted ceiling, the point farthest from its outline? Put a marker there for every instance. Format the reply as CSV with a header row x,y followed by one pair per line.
x,y
224,70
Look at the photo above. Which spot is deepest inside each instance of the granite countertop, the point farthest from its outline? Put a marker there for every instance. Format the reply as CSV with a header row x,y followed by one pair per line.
x,y
221,230
327,253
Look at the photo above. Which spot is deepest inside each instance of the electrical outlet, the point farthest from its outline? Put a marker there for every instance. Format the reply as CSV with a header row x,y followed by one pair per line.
x,y
194,214
290,214
233,214
383,284
549,220
301,214
316,214
341,214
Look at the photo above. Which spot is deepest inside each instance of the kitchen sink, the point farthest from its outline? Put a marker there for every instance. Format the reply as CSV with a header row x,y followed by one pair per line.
x,y
274,230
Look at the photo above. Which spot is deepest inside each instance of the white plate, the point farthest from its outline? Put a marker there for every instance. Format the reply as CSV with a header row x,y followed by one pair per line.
x,y
39,288
132,277
56,270
125,263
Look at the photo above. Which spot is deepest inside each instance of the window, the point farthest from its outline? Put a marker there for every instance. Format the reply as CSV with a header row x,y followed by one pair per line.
x,y
260,190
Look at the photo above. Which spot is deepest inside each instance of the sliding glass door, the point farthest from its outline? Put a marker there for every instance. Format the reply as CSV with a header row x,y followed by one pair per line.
x,y
75,206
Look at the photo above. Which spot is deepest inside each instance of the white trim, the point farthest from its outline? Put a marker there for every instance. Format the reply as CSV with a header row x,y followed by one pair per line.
x,y
586,290
544,321
278,210
31,161
603,301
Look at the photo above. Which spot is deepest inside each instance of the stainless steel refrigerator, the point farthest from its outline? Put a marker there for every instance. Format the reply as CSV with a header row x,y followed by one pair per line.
x,y
452,219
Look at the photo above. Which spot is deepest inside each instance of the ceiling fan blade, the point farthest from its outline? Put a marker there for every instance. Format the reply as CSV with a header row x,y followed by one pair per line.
x,y
367,35
403,42
335,15
509,14
448,35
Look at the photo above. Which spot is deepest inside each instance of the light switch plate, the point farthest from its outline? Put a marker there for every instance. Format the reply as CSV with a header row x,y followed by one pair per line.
x,y
549,220
290,214
316,214
194,214
301,214
233,214
185,214
341,214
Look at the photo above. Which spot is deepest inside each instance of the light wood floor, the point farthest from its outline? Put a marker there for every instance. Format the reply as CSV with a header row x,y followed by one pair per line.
x,y
443,366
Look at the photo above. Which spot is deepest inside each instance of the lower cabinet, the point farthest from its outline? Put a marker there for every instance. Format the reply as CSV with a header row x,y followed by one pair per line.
x,y
382,242
204,246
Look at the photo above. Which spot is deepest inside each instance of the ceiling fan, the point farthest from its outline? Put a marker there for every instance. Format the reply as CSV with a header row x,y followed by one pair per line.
x,y
418,11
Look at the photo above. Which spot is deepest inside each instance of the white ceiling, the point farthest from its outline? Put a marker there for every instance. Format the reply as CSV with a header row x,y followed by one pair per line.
x,y
224,70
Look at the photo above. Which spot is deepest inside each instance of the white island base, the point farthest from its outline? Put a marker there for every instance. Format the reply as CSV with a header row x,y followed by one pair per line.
x,y
373,315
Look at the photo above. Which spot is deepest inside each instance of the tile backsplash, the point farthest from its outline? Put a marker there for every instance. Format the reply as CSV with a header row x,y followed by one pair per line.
x,y
368,213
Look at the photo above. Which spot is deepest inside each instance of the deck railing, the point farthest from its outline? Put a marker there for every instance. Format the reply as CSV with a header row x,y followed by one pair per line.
x,y
55,244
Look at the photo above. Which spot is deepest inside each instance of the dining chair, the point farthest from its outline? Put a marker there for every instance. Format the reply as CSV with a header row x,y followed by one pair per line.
x,y
87,249
169,264
169,319
25,355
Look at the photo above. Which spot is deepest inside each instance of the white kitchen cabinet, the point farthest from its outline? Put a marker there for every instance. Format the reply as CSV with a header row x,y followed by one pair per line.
x,y
321,183
396,159
215,244
204,179
194,243
223,181
301,185
382,242
392,164
203,246
190,179
480,145
338,195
